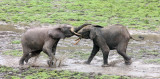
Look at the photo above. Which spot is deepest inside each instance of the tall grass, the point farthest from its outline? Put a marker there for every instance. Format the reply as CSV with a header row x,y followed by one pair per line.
x,y
139,14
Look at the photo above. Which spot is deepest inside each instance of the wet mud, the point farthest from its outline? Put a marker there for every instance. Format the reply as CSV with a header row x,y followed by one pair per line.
x,y
140,51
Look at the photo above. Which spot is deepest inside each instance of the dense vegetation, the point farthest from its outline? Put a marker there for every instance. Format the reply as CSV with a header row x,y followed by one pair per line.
x,y
139,14
35,73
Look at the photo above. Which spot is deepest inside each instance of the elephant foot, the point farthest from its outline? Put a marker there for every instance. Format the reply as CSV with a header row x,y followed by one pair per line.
x,y
26,60
50,63
21,63
86,62
128,62
105,65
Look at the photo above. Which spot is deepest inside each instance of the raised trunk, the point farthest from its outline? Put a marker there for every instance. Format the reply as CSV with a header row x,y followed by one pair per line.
x,y
76,29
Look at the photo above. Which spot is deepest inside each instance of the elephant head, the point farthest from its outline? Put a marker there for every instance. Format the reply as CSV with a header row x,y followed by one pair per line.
x,y
89,31
62,31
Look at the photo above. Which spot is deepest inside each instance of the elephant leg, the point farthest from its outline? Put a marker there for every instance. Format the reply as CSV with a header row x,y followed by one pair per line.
x,y
27,57
105,56
54,52
25,54
50,55
121,49
35,58
105,50
36,55
94,52
32,54
54,47
48,49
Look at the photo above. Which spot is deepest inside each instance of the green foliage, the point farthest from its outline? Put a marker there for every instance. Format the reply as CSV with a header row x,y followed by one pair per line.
x,y
13,53
145,53
112,77
157,61
5,69
139,14
16,42
149,52
15,77
34,73
81,55
42,75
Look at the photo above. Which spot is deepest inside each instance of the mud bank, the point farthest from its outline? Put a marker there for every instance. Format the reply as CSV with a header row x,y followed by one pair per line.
x,y
137,69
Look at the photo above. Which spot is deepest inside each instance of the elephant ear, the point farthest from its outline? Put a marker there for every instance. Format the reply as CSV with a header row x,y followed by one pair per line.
x,y
95,31
92,34
56,33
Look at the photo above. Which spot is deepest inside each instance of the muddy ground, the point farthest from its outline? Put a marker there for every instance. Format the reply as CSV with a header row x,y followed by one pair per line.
x,y
145,54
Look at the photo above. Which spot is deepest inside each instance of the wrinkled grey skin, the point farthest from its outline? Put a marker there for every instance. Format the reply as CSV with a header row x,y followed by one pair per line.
x,y
106,39
43,39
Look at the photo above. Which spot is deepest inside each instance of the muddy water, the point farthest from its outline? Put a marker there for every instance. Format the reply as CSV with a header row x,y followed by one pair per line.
x,y
150,37
9,28
138,68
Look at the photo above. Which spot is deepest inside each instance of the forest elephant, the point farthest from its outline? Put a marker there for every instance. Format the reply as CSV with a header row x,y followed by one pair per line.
x,y
106,38
44,39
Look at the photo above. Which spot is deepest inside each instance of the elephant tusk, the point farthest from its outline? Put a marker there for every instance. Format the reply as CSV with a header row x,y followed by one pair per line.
x,y
77,41
72,30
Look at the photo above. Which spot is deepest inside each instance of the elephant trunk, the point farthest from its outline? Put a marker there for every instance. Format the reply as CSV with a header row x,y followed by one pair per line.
x,y
75,30
72,30
80,27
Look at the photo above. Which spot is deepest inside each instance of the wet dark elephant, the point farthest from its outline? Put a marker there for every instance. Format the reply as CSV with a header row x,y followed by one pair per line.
x,y
43,39
108,38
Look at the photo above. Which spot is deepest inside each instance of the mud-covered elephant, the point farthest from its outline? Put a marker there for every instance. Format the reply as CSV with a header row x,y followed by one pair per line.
x,y
108,38
44,39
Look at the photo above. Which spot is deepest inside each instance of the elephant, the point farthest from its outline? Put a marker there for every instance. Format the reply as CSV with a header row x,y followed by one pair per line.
x,y
114,37
44,39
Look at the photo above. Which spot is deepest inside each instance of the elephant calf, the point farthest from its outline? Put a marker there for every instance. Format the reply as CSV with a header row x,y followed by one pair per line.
x,y
106,39
43,39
